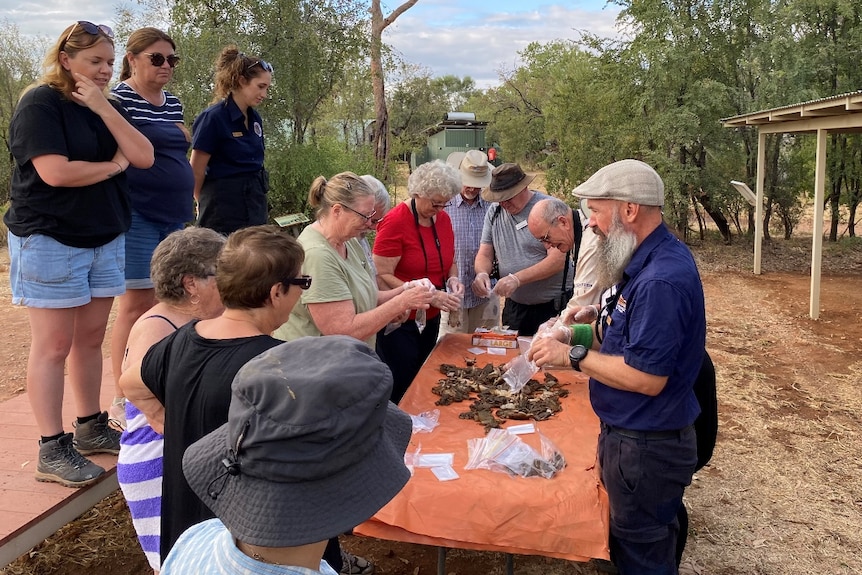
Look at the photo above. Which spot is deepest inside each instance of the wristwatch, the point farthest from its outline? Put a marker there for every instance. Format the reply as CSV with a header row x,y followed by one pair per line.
x,y
576,354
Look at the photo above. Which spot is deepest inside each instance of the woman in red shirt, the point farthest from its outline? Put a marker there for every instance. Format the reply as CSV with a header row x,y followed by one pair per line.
x,y
416,241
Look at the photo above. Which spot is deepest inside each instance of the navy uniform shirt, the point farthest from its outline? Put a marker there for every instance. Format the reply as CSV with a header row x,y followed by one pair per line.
x,y
234,149
659,327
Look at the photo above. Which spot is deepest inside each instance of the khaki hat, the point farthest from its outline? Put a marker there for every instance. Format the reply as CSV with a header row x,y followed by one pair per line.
x,y
507,181
473,166
626,180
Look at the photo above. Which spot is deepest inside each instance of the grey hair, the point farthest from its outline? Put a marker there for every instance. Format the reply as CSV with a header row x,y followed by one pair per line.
x,y
381,194
432,178
553,208
187,252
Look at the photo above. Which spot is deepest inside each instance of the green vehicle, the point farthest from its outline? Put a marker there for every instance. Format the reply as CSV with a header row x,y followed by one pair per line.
x,y
458,132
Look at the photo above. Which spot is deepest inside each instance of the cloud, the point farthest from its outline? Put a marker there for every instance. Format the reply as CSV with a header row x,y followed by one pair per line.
x,y
441,37
476,39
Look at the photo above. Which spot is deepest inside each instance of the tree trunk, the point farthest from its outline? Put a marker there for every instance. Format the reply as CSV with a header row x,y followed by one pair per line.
x,y
380,136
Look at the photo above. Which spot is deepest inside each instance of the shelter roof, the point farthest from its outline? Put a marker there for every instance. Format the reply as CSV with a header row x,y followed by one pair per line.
x,y
835,111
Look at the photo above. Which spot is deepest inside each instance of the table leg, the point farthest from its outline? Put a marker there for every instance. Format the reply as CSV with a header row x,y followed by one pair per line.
x,y
510,564
441,561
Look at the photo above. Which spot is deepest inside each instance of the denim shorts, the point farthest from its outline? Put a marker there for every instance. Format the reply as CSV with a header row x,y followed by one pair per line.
x,y
141,241
43,273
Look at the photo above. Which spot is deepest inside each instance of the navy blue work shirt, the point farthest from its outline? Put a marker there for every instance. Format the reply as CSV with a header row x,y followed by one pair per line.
x,y
234,149
659,327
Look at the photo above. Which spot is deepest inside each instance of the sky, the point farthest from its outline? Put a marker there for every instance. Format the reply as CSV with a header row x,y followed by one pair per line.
x,y
444,36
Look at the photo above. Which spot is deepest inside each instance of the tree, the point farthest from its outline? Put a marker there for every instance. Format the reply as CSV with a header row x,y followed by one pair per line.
x,y
381,114
19,67
308,42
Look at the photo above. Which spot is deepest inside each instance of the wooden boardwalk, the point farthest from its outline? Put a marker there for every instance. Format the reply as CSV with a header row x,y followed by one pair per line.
x,y
30,510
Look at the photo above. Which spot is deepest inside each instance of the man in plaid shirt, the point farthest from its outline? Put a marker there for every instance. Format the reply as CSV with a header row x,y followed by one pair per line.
x,y
467,211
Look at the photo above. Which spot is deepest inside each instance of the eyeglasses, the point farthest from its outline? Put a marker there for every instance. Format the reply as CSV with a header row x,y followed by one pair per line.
x,y
304,282
546,239
439,206
368,218
266,66
157,59
89,28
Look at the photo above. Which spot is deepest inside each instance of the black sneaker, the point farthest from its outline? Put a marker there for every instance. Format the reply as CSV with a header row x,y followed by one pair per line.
x,y
60,462
96,436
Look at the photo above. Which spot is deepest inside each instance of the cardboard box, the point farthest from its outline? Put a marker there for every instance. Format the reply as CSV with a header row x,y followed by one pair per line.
x,y
507,338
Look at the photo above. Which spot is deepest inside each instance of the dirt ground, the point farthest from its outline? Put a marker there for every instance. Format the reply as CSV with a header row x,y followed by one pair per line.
x,y
782,495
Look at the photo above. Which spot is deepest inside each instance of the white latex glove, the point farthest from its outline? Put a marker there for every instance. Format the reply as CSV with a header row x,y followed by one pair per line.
x,y
554,328
482,285
580,314
423,283
446,301
507,285
455,287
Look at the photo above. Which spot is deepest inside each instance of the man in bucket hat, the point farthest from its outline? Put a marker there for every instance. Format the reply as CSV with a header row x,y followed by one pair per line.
x,y
643,363
467,212
311,449
534,278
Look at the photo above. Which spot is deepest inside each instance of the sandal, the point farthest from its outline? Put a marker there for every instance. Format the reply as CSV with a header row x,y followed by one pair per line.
x,y
354,565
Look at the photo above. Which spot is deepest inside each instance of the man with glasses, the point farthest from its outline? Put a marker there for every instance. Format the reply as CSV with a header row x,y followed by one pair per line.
x,y
534,278
553,222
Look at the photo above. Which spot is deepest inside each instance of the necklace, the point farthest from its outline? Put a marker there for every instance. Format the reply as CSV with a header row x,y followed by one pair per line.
x,y
247,549
259,557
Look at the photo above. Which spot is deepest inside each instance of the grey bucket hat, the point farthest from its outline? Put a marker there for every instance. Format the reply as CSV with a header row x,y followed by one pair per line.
x,y
312,446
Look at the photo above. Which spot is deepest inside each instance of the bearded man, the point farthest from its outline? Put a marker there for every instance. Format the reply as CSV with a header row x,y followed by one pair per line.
x,y
643,361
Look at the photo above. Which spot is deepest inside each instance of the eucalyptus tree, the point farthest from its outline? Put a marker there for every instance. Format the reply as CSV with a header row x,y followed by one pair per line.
x,y
516,106
379,22
19,67
308,42
682,93
417,100
829,34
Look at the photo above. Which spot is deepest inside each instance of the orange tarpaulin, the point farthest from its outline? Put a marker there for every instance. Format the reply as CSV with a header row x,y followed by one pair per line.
x,y
564,517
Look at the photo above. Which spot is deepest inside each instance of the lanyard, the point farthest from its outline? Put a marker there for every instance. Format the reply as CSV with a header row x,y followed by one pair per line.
x,y
422,242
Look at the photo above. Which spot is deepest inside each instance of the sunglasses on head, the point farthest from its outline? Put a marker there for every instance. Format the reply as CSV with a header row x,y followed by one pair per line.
x,y
157,59
89,28
304,282
266,66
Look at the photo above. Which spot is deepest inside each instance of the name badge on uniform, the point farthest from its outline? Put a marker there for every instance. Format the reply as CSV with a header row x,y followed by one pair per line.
x,y
521,225
236,134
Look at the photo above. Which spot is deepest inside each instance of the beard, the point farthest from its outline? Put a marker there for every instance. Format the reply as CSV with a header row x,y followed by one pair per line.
x,y
615,252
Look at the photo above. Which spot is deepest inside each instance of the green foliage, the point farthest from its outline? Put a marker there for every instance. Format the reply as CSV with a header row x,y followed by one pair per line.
x,y
293,167
19,67
308,42
416,101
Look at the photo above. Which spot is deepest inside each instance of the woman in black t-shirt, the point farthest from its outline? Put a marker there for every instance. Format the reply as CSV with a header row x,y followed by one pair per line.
x,y
69,209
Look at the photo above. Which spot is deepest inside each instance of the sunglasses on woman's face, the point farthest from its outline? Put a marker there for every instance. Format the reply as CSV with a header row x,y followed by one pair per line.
x,y
304,282
157,59
89,28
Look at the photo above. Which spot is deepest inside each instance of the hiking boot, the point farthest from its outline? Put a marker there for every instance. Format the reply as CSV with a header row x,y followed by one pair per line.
x,y
95,436
60,462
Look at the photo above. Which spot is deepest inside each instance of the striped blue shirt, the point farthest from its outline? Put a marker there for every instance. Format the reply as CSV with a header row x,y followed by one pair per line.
x,y
162,193
467,220
208,548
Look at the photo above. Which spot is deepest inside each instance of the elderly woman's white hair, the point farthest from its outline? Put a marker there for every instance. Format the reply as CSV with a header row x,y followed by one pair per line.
x,y
435,178
381,194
